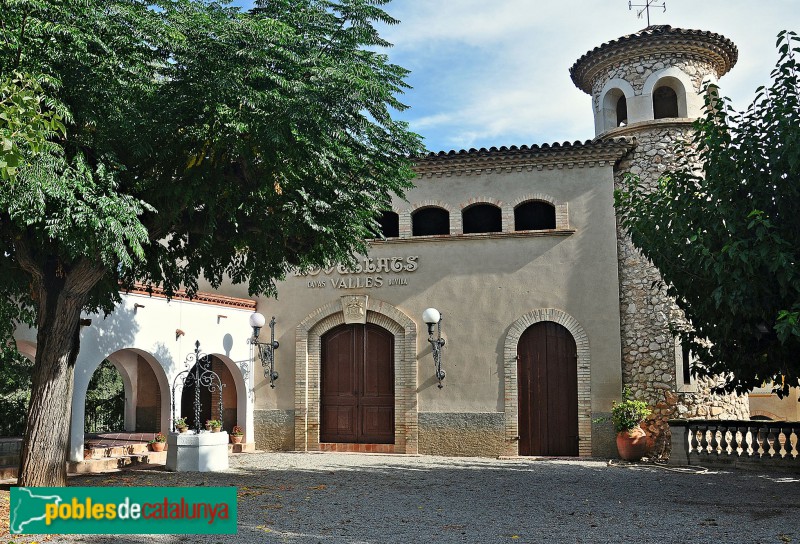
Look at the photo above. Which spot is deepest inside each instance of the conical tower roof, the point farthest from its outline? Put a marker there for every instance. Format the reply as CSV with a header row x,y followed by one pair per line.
x,y
717,50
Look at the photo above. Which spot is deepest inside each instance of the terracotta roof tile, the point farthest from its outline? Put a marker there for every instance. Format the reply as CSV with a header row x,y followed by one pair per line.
x,y
545,155
716,48
200,297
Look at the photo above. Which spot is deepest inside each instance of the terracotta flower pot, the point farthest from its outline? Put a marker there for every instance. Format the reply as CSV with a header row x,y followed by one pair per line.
x,y
215,429
633,444
183,429
236,439
158,446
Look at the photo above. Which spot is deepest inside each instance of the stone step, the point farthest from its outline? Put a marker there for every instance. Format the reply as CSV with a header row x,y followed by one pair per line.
x,y
248,447
112,463
114,451
8,473
116,462
106,464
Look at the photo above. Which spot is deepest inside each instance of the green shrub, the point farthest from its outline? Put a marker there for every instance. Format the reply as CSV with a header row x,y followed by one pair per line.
x,y
628,413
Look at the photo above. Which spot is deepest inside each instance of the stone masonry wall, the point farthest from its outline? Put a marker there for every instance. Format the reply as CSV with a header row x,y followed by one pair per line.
x,y
462,434
636,73
648,348
274,430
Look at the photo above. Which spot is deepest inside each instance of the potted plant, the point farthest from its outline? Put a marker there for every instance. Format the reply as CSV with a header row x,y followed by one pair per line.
x,y
214,424
627,415
237,434
181,425
159,442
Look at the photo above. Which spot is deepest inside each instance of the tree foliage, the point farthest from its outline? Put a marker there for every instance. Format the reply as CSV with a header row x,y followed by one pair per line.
x,y
248,143
28,117
201,142
725,236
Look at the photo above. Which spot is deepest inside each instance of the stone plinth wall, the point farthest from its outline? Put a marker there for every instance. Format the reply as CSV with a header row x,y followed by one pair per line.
x,y
274,430
467,434
604,439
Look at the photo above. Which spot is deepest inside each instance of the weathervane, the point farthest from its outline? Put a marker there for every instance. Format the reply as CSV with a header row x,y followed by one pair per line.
x,y
646,8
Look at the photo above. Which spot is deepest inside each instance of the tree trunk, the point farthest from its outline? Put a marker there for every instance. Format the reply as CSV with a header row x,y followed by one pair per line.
x,y
60,298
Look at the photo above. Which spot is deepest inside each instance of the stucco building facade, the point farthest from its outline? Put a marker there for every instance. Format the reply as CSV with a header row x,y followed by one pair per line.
x,y
547,308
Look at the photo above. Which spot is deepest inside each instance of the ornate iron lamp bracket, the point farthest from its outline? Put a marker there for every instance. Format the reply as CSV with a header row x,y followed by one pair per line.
x,y
266,352
436,347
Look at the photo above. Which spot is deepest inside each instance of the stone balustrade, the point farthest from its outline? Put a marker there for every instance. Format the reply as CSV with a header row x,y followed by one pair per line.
x,y
736,443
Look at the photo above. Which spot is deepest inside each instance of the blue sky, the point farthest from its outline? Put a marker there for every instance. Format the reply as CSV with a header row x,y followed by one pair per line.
x,y
492,73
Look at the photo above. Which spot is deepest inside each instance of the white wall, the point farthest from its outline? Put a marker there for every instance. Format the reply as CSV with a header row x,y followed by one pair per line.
x,y
147,326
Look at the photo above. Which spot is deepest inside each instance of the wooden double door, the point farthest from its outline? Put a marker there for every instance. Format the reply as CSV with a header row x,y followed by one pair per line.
x,y
547,384
357,385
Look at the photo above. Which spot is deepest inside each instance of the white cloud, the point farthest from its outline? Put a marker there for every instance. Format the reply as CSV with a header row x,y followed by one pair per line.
x,y
496,73
492,73
470,22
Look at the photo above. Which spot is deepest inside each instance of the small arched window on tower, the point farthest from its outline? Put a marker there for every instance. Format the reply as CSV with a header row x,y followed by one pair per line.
x,y
534,215
665,103
389,223
615,109
430,221
622,111
480,218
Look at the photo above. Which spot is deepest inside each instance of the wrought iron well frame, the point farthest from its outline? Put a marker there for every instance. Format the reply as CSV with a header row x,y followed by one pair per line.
x,y
203,376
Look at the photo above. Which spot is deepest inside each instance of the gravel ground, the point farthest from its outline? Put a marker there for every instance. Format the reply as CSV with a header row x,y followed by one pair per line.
x,y
358,498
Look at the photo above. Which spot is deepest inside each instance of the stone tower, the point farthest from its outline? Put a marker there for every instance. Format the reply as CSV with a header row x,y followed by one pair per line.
x,y
647,86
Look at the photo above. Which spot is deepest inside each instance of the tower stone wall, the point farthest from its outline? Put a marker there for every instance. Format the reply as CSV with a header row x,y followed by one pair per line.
x,y
651,360
634,66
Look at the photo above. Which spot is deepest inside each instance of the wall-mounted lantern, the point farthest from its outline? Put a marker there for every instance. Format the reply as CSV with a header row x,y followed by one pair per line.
x,y
432,317
266,350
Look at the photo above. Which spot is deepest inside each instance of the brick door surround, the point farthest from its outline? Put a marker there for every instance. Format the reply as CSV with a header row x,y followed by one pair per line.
x,y
511,396
307,372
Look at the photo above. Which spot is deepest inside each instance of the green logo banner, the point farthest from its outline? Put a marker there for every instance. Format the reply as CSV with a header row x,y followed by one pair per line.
x,y
123,510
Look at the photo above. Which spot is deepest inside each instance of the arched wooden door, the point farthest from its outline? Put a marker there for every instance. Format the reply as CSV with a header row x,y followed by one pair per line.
x,y
547,381
357,385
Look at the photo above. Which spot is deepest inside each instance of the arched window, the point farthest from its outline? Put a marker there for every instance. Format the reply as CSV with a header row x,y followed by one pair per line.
x,y
622,111
389,225
482,218
614,108
430,221
665,103
534,215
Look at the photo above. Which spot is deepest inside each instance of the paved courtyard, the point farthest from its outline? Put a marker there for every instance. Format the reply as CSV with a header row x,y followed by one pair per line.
x,y
362,498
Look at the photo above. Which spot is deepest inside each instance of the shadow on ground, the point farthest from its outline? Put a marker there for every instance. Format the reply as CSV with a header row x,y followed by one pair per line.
x,y
305,498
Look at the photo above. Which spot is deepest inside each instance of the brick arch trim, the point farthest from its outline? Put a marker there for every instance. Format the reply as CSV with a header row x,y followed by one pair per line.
x,y
540,197
764,413
511,402
429,204
480,200
307,371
